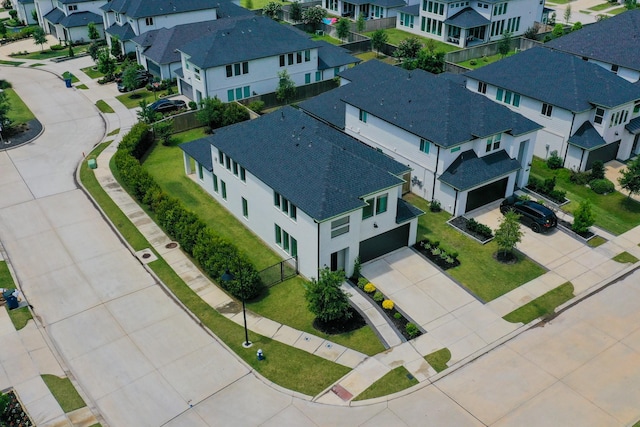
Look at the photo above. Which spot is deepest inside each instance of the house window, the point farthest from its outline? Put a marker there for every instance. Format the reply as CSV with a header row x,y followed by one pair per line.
x,y
285,205
230,96
455,149
336,70
547,109
493,143
223,187
367,211
294,247
229,71
239,93
599,117
245,208
148,21
424,146
243,174
73,7
236,69
200,173
636,107
278,235
614,68
285,240
482,87
298,57
307,78
318,76
516,100
196,72
293,212
215,183
290,58
499,94
339,227
227,162
220,157
363,116
276,199
307,55
235,168
282,60
245,68
381,204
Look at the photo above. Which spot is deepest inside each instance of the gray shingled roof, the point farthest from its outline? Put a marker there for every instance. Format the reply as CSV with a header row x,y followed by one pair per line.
x,y
331,56
599,41
25,1
54,16
388,3
633,126
571,83
123,32
144,8
469,170
413,9
467,18
80,19
587,137
318,168
199,151
406,211
74,1
248,39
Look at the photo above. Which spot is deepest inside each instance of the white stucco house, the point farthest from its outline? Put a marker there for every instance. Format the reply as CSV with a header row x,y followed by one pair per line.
x,y
242,56
588,112
469,22
593,43
306,189
370,9
68,19
25,10
463,150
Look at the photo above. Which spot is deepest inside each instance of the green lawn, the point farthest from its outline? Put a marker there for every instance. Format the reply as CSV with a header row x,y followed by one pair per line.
x,y
601,6
19,112
326,38
92,72
478,270
14,63
39,64
258,4
114,132
103,106
617,11
396,36
19,316
368,56
48,53
614,212
596,241
132,99
82,86
393,382
480,62
439,359
625,257
542,305
64,392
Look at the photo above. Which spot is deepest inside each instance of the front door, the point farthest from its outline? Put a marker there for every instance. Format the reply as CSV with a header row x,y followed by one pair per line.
x,y
338,260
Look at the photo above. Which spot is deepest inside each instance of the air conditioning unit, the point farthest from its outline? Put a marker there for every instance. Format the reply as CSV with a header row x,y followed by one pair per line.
x,y
319,33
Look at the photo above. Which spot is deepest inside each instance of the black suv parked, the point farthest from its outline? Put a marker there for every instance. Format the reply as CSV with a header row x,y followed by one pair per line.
x,y
532,214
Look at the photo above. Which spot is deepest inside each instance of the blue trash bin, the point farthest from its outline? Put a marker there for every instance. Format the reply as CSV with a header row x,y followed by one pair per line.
x,y
67,82
12,302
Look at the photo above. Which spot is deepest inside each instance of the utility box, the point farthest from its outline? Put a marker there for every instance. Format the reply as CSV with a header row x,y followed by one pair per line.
x,y
92,163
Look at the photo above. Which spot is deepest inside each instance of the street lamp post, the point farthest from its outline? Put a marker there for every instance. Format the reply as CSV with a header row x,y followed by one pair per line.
x,y
228,277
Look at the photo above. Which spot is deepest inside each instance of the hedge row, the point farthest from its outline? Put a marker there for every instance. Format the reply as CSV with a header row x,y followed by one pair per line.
x,y
213,253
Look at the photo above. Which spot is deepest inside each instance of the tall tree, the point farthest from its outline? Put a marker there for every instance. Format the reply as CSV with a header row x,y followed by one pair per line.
x,y
343,28
361,23
408,49
313,16
504,44
39,37
116,48
630,179
146,114
295,12
271,9
130,77
326,299
106,63
378,39
5,107
508,234
93,31
583,217
286,89
211,112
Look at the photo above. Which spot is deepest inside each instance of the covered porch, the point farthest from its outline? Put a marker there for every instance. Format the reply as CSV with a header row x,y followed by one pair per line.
x,y
466,28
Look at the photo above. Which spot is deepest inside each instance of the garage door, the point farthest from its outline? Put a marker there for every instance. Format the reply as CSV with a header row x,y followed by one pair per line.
x,y
604,154
186,89
384,243
487,194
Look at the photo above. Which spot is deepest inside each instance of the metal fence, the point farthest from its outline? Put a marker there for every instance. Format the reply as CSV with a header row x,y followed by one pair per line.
x,y
279,272
302,92
488,49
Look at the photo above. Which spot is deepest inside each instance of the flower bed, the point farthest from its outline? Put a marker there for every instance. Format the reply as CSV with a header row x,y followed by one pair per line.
x,y
439,256
472,228
13,414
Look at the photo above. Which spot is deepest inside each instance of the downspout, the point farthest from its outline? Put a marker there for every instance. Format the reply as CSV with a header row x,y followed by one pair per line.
x,y
318,250
455,204
433,187
581,159
564,160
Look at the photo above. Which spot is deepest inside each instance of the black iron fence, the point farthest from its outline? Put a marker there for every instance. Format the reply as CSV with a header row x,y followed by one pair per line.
x,y
279,272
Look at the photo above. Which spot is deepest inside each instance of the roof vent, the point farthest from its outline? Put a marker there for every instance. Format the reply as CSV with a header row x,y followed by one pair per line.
x,y
382,101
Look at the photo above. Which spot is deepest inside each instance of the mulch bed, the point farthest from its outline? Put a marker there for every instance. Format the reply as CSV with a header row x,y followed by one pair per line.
x,y
340,327
14,415
436,259
460,223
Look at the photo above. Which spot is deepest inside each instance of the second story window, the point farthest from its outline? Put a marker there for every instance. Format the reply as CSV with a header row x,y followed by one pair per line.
x,y
482,87
148,21
424,146
237,69
376,205
339,227
73,7
547,109
285,205
493,143
599,117
362,116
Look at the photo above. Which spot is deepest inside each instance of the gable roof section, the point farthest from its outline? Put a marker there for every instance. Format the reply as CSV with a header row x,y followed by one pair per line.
x,y
413,9
200,151
469,170
467,18
54,16
595,41
330,56
144,8
123,32
319,169
633,126
246,39
80,19
587,137
572,84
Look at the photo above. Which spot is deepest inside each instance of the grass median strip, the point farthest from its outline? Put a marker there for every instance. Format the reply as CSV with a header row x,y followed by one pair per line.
x,y
14,63
19,112
625,257
541,306
64,392
19,316
104,107
394,381
439,359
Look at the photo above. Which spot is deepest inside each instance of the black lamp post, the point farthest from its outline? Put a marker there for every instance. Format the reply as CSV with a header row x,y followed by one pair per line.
x,y
228,277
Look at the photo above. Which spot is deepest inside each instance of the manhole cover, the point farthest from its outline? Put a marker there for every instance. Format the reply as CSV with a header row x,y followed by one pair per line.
x,y
171,245
145,256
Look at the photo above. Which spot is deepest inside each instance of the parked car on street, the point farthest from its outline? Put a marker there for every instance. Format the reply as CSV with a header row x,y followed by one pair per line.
x,y
167,105
532,214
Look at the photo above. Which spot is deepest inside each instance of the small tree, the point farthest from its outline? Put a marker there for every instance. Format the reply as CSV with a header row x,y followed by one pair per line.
x,y
630,179
163,131
130,76
13,14
5,106
583,217
295,12
342,28
93,31
558,31
71,53
408,49
271,9
508,234
94,49
248,4
532,32
431,62
314,16
631,4
211,112
567,14
326,299
3,29
361,23
286,89
116,49
378,40
234,113
597,170
39,37
504,44
577,26
146,114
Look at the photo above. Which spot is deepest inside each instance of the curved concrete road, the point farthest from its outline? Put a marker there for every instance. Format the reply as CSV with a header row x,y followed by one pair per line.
x,y
144,362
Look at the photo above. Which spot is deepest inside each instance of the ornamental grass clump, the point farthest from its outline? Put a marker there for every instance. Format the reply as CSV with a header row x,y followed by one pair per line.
x,y
387,304
369,287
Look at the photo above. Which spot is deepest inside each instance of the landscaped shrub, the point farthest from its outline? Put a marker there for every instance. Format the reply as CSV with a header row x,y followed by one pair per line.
x,y
580,178
547,188
378,296
397,316
256,106
362,282
557,196
602,186
369,287
597,170
56,47
554,161
357,267
412,330
479,228
388,305
434,206
583,218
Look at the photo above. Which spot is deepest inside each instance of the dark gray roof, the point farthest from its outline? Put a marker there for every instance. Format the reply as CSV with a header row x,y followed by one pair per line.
x,y
54,16
144,8
460,79
388,3
318,168
25,1
571,83
247,39
227,9
199,151
467,18
469,170
367,68
587,137
330,56
74,1
123,32
406,211
594,41
413,9
633,126
80,19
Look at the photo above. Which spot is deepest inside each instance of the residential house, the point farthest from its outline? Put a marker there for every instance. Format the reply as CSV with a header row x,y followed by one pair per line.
x,y
588,113
464,150
306,189
469,22
243,57
594,43
126,19
25,9
68,19
370,9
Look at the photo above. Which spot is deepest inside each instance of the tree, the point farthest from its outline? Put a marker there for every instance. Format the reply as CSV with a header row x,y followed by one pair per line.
x,y
34,15
71,53
558,31
271,9
508,234
39,37
532,32
5,106
130,77
567,14
583,217
378,39
408,50
630,179
295,12
106,63
211,112
13,14
116,49
93,31
234,113
597,170
431,62
361,23
631,4
504,44
326,299
343,28
313,16
576,26
94,49
146,114
3,29
286,90
163,130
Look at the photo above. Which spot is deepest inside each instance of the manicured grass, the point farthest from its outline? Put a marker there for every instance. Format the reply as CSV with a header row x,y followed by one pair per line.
x,y
396,36
64,392
132,99
614,212
44,54
14,63
19,316
82,86
257,4
103,106
596,241
478,270
327,39
542,305
91,72
6,281
368,56
439,359
19,112
617,11
601,6
114,132
625,257
481,62
39,64
393,382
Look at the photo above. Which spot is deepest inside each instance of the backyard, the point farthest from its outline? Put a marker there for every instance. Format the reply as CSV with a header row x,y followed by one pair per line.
x,y
485,60
396,36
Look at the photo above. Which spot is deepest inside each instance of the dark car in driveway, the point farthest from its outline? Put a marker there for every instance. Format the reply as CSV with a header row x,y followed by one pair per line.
x,y
167,105
532,214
